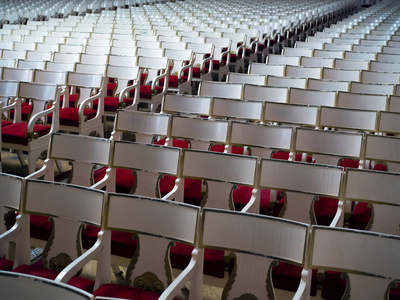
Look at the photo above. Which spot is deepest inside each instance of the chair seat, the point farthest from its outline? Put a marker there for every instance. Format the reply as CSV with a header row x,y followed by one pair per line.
x,y
69,116
5,123
325,210
5,264
17,133
145,91
213,259
235,57
287,277
38,270
72,100
124,292
111,104
173,81
196,72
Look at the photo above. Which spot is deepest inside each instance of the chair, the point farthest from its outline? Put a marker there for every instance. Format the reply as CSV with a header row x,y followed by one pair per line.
x,y
135,215
221,56
151,93
18,286
202,66
362,101
59,202
354,254
352,119
182,63
255,255
380,148
238,48
221,89
328,85
266,93
186,105
33,136
78,118
376,197
312,97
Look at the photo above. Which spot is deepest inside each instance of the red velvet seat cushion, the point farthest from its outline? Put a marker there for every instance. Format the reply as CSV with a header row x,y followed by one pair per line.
x,y
72,99
124,178
221,148
40,227
196,72
235,57
17,133
69,116
175,143
213,259
5,123
286,276
333,287
124,292
110,88
38,270
25,111
285,156
325,209
172,81
145,91
360,216
5,264
111,103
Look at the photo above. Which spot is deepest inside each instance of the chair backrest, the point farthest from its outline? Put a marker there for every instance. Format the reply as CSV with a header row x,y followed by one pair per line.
x,y
380,77
262,139
382,148
355,253
379,190
341,74
372,88
123,75
148,161
328,85
144,125
312,97
266,93
153,65
291,114
351,64
362,101
86,82
90,68
388,122
267,69
384,57
21,286
221,89
155,224
394,104
254,253
301,182
329,53
275,59
237,109
222,172
303,72
186,104
8,90
59,66
66,57
69,207
246,78
288,82
381,66
54,77
354,119
317,62
17,74
201,133
41,94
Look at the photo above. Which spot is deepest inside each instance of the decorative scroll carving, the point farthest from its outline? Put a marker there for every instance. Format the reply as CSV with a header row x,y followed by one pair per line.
x,y
231,203
347,292
231,279
133,261
270,284
167,263
150,282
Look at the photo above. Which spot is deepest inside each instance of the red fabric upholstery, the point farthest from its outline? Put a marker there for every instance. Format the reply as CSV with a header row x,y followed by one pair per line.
x,y
111,103
110,88
221,148
175,143
213,259
287,277
124,179
394,294
333,287
69,116
5,123
40,227
285,156
17,133
124,292
360,216
25,111
196,72
5,264
172,81
325,209
145,91
38,270
72,99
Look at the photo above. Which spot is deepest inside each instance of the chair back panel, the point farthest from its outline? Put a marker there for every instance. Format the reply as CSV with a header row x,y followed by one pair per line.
x,y
54,77
266,93
67,201
11,190
187,104
128,73
9,88
301,177
80,148
236,169
85,80
389,122
221,89
291,113
362,101
152,216
39,91
384,148
254,234
18,74
151,158
312,97
237,109
348,118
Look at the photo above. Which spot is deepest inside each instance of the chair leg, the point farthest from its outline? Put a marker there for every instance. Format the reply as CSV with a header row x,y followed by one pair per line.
x,y
21,158
32,158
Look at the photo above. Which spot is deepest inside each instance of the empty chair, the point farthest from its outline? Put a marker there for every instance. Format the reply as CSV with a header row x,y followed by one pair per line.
x,y
186,105
203,64
328,85
380,148
18,286
283,113
312,97
182,63
353,253
221,90
389,122
32,137
254,256
221,56
362,101
266,93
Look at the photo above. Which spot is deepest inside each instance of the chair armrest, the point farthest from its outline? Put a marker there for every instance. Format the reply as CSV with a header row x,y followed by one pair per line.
x,y
47,170
227,54
177,192
10,234
338,220
136,86
303,291
35,118
85,102
157,79
242,48
253,206
174,288
103,182
203,64
103,238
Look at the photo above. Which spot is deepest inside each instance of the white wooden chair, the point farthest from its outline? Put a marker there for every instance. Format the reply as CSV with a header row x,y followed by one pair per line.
x,y
59,202
254,255
18,286
186,105
181,73
266,93
354,254
33,136
221,56
203,64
